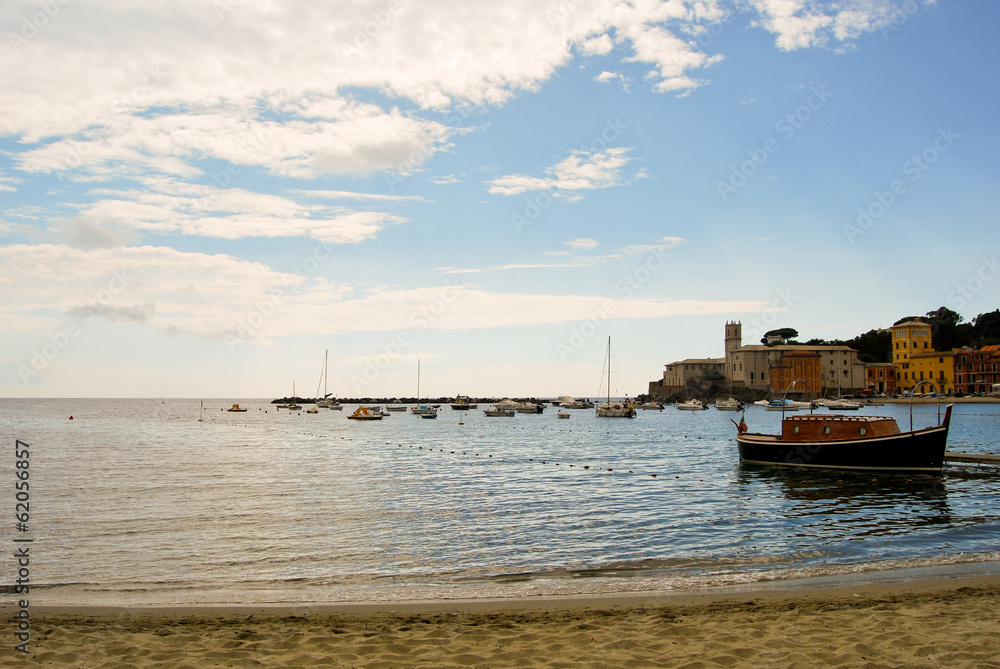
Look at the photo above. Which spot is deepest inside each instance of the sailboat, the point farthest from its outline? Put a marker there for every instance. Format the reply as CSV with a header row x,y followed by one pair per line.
x,y
292,404
422,410
325,402
614,409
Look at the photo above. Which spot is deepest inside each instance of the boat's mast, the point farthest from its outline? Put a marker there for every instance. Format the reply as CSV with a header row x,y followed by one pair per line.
x,y
418,380
609,370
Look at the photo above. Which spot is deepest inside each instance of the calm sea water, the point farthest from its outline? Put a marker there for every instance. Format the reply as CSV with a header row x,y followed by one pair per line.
x,y
136,501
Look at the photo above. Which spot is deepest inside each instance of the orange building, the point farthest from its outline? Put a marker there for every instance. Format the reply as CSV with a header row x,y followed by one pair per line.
x,y
801,366
881,377
976,370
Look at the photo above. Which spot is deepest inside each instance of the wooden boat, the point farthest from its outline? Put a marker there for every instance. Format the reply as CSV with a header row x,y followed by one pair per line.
x,y
395,406
499,412
236,408
834,441
366,413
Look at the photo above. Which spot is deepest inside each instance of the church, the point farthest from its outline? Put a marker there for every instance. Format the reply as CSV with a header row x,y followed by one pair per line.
x,y
800,370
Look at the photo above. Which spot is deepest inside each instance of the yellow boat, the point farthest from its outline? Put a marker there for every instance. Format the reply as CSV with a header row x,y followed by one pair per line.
x,y
365,413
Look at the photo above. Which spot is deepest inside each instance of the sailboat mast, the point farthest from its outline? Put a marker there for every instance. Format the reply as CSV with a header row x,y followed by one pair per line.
x,y
418,380
609,370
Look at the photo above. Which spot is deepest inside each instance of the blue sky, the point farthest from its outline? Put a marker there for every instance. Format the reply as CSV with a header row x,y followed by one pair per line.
x,y
200,198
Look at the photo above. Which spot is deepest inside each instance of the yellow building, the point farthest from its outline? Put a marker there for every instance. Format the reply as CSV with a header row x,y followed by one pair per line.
x,y
916,360
938,367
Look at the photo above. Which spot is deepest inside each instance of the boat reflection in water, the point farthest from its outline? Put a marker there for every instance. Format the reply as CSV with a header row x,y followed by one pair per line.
x,y
861,505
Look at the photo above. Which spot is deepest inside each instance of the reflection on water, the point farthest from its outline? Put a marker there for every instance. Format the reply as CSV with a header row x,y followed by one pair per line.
x,y
137,494
865,505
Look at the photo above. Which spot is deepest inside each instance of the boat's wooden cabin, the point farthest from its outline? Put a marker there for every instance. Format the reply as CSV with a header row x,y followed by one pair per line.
x,y
831,427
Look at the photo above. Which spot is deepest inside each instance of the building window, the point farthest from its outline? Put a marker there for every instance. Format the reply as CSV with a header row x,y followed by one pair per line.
x,y
751,376
904,344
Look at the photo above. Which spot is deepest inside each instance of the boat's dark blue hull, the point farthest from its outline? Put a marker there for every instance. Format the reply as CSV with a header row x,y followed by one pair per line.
x,y
921,450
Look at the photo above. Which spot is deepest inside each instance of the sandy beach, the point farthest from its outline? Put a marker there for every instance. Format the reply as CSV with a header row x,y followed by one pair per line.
x,y
934,623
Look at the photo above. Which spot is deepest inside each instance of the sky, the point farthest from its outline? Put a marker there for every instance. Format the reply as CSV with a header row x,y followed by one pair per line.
x,y
204,198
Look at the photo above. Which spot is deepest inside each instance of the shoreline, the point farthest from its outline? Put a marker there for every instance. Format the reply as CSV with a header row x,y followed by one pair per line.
x,y
918,623
884,581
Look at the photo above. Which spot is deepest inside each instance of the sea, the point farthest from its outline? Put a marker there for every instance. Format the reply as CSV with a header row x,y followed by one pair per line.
x,y
156,502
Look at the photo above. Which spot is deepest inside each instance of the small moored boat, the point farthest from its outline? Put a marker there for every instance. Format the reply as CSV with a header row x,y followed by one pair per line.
x,y
236,408
463,403
366,413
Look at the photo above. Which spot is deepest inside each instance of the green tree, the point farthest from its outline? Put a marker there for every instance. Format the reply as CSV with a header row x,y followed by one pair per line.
x,y
947,331
784,333
986,328
873,346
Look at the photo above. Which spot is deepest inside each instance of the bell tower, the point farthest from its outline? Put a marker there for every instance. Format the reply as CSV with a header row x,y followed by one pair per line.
x,y
734,337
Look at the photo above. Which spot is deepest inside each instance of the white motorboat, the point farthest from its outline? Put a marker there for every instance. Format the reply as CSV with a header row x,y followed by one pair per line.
x,y
691,405
567,402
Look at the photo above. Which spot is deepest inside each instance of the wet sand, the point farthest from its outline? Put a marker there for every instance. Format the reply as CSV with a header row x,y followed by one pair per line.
x,y
949,622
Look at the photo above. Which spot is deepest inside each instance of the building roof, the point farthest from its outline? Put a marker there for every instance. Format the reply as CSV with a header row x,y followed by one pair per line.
x,y
794,347
899,325
699,361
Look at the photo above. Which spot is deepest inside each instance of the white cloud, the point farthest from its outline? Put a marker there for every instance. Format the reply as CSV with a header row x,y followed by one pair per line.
x,y
169,206
361,140
208,296
582,170
584,243
801,24
104,89
662,244
350,195
597,46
